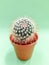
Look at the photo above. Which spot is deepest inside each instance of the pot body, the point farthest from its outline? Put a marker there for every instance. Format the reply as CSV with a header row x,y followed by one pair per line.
x,y
24,52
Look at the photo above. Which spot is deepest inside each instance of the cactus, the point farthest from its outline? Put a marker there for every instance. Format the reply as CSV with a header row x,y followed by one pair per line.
x,y
23,28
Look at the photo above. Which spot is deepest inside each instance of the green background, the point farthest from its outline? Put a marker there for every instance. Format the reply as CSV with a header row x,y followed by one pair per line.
x,y
35,9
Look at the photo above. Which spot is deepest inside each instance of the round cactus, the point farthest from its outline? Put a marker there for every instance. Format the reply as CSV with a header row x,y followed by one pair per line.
x,y
23,28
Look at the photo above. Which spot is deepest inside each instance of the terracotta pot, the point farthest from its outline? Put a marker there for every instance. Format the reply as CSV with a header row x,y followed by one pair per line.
x,y
24,52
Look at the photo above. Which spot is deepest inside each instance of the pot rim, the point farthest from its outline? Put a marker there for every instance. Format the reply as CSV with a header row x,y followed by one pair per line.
x,y
25,44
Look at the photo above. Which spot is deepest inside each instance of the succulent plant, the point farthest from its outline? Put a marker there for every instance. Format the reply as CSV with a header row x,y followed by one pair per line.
x,y
23,28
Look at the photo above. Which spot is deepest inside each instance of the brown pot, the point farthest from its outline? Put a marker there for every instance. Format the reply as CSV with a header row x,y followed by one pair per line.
x,y
24,52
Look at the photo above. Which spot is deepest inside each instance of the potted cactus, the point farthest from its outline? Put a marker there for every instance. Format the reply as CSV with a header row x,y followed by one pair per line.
x,y
23,37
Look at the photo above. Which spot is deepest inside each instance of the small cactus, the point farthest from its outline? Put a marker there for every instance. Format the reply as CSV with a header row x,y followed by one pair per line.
x,y
23,28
